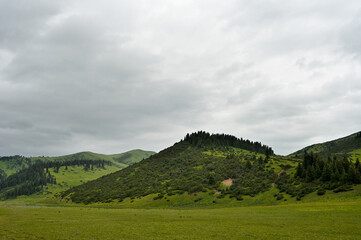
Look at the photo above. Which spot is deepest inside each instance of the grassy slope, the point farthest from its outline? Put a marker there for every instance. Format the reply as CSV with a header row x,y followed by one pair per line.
x,y
339,146
209,200
74,176
121,160
178,167
297,221
77,175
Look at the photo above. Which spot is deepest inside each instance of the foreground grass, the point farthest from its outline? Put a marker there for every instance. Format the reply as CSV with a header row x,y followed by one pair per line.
x,y
299,221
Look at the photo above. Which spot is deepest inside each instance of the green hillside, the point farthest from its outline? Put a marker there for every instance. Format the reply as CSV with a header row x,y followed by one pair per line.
x,y
121,159
205,169
197,164
48,175
345,145
12,164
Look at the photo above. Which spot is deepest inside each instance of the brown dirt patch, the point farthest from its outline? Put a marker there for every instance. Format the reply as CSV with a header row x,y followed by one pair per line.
x,y
228,182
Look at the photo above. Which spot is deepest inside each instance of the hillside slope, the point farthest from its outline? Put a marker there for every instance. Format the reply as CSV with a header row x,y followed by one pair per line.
x,y
198,163
122,159
25,176
12,164
208,169
343,145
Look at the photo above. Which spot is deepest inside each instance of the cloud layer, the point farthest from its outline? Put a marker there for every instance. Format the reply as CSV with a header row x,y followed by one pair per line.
x,y
112,76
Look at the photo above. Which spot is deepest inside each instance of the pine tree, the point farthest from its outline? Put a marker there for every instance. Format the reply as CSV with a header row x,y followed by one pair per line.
x,y
335,177
309,174
326,173
313,172
343,177
318,170
351,174
299,170
345,163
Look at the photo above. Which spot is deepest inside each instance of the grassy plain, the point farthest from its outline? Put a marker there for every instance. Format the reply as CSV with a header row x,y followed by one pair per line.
x,y
331,216
296,221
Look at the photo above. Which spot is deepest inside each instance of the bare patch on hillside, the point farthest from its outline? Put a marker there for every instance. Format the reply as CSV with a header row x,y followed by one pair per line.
x,y
228,182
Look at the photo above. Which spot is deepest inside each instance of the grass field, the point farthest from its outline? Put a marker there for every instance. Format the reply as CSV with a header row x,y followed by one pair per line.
x,y
297,221
331,216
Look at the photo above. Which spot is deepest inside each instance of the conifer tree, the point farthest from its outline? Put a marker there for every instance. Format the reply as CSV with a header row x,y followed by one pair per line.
x,y
326,173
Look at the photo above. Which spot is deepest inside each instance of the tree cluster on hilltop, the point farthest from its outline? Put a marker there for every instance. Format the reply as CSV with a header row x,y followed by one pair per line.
x,y
204,139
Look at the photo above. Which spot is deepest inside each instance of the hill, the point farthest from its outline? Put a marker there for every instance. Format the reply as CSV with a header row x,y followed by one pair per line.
x,y
209,168
121,159
25,176
347,145
197,164
12,164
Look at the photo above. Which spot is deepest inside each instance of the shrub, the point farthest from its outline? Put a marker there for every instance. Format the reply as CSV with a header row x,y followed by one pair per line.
x,y
321,191
279,196
343,188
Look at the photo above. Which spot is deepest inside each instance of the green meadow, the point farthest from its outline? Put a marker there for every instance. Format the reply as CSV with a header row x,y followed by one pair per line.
x,y
329,220
331,216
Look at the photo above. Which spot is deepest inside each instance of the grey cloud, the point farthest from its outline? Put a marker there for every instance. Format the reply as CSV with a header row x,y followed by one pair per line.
x,y
22,20
112,76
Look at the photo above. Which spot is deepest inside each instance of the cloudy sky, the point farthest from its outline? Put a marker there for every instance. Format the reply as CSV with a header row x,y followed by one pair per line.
x,y
110,76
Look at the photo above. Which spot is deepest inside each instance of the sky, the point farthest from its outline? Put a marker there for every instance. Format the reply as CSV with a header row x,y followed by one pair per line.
x,y
111,76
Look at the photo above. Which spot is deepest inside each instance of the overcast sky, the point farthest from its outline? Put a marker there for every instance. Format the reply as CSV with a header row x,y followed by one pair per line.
x,y
111,76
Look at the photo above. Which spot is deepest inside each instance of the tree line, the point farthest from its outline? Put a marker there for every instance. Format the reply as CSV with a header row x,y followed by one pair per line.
x,y
205,139
317,173
333,169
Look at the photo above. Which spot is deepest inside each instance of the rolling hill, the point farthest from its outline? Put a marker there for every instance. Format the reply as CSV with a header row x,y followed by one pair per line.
x,y
347,145
47,175
12,164
205,169
215,164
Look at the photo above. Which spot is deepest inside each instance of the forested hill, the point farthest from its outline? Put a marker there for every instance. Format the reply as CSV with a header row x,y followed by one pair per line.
x,y
200,162
28,175
343,145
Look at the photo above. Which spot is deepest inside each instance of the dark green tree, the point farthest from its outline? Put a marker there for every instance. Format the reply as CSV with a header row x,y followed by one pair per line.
x,y
326,173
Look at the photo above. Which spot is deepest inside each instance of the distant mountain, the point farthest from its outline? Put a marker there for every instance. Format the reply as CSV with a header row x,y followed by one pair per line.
x,y
24,176
123,159
343,145
12,164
